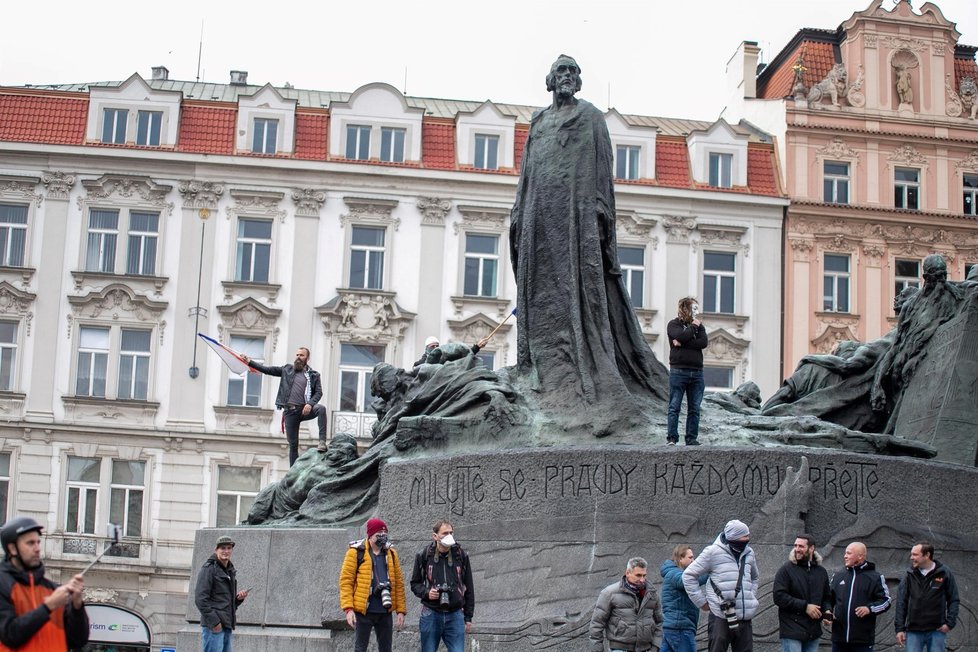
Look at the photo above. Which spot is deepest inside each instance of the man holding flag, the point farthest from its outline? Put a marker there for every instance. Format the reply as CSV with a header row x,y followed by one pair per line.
x,y
299,393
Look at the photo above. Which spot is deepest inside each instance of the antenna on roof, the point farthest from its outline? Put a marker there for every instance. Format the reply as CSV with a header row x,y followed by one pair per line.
x,y
609,95
405,81
200,48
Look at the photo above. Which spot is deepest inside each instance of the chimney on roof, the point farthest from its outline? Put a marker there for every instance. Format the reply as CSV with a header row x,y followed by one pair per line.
x,y
239,77
742,70
160,73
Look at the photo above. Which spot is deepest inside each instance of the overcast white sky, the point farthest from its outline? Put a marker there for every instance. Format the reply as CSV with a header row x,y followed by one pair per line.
x,y
651,57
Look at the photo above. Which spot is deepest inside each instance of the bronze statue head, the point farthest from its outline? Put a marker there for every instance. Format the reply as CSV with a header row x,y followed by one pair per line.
x,y
935,269
564,65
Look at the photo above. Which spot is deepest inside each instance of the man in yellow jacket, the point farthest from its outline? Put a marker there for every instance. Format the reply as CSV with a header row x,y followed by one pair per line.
x,y
372,588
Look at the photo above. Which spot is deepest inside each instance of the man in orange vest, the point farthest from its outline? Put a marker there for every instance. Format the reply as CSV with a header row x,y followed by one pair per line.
x,y
36,615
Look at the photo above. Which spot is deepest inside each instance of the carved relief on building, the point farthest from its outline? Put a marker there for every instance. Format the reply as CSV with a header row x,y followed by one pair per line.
x,y
967,96
100,595
855,95
481,218
678,228
832,87
837,149
873,253
243,420
906,43
366,210
969,164
308,201
256,203
249,316
133,190
831,335
907,154
58,184
726,237
727,350
20,188
110,412
17,304
636,226
433,210
474,328
357,315
117,302
199,194
802,248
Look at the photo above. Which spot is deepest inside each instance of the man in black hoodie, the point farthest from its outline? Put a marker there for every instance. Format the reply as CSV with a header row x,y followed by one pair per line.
x,y
801,591
687,339
859,594
442,578
217,597
927,602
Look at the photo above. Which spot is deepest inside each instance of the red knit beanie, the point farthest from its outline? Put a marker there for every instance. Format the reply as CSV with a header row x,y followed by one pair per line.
x,y
374,526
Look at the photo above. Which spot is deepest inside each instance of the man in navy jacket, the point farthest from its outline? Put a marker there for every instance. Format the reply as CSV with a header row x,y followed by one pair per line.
x,y
859,595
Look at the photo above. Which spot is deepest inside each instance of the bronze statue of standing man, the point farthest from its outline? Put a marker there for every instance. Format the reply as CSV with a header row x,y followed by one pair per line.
x,y
579,343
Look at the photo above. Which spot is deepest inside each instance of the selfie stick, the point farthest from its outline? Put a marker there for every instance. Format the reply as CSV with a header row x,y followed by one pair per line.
x,y
114,533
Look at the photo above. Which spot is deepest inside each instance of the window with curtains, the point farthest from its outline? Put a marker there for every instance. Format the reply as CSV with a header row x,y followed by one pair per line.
x,y
13,234
136,254
114,362
105,490
367,257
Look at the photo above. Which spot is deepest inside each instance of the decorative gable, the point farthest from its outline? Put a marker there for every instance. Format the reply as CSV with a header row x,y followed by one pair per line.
x,y
258,116
720,139
625,135
133,113
375,106
487,120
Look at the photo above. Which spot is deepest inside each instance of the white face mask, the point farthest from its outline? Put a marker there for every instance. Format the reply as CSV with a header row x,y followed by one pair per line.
x,y
448,541
696,311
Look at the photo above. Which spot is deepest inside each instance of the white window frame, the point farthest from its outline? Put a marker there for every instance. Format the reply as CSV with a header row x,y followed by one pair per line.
x,y
7,230
10,349
123,234
136,357
628,271
127,490
487,139
238,494
150,116
83,489
969,193
488,357
360,132
120,122
904,187
6,481
361,372
395,153
269,142
103,497
831,182
482,259
719,275
733,373
113,361
719,158
837,277
253,242
249,377
632,159
367,251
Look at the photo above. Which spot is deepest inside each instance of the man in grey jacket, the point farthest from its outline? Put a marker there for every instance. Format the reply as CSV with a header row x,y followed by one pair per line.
x,y
730,593
627,613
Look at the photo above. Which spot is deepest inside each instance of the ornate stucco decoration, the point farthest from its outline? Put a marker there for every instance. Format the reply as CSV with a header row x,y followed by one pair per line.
x,y
969,164
364,316
855,95
832,334
199,194
135,189
12,187
678,227
871,40
726,347
837,242
256,203
727,237
117,302
873,253
373,211
100,595
837,149
907,154
249,315
308,201
906,43
481,218
833,87
802,248
474,328
433,210
968,97
17,303
638,226
58,184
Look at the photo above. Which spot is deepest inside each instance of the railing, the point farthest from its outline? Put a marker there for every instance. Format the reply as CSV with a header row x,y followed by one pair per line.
x,y
357,424
91,545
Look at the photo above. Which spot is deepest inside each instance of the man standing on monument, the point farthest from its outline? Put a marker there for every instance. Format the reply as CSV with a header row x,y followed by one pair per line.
x,y
217,597
299,393
731,588
859,594
801,591
687,339
578,340
372,588
442,579
627,613
927,602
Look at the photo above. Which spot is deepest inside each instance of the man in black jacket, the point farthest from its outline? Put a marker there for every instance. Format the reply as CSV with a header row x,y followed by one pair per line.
x,y
299,393
687,339
859,594
801,591
442,579
217,597
927,602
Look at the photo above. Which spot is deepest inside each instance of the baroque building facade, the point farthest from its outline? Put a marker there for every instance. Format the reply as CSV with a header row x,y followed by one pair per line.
x,y
135,214
875,123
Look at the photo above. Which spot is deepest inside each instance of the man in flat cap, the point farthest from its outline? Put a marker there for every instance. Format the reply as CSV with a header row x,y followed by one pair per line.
x,y
217,597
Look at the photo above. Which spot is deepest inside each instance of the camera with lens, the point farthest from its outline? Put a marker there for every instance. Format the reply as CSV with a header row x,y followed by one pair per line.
x,y
444,594
729,609
384,589
828,615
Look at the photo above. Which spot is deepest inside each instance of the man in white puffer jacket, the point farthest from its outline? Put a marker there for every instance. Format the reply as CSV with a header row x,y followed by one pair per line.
x,y
731,587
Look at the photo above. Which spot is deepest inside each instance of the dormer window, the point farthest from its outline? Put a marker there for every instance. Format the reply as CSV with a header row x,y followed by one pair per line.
x,y
358,142
114,126
486,152
720,165
265,137
627,162
148,124
392,144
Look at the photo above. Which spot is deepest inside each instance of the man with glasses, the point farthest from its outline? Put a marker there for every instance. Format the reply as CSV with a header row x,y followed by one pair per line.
x,y
442,579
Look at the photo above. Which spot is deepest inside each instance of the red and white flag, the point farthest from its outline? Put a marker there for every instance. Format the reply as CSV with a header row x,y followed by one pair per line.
x,y
231,358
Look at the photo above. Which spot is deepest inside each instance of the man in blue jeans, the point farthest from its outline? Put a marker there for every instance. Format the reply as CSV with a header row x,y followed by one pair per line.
x,y
442,579
217,598
687,339
927,602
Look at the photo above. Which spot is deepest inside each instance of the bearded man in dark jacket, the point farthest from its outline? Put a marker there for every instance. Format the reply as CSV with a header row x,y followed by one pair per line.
x,y
801,591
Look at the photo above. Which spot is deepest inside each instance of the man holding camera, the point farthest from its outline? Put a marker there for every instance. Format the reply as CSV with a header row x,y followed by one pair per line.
x,y
731,588
372,588
442,579
801,591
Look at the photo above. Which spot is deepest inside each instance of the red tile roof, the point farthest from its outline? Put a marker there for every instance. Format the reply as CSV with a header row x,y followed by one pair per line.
x,y
207,129
762,178
311,135
672,163
521,133
438,143
964,67
43,119
818,58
